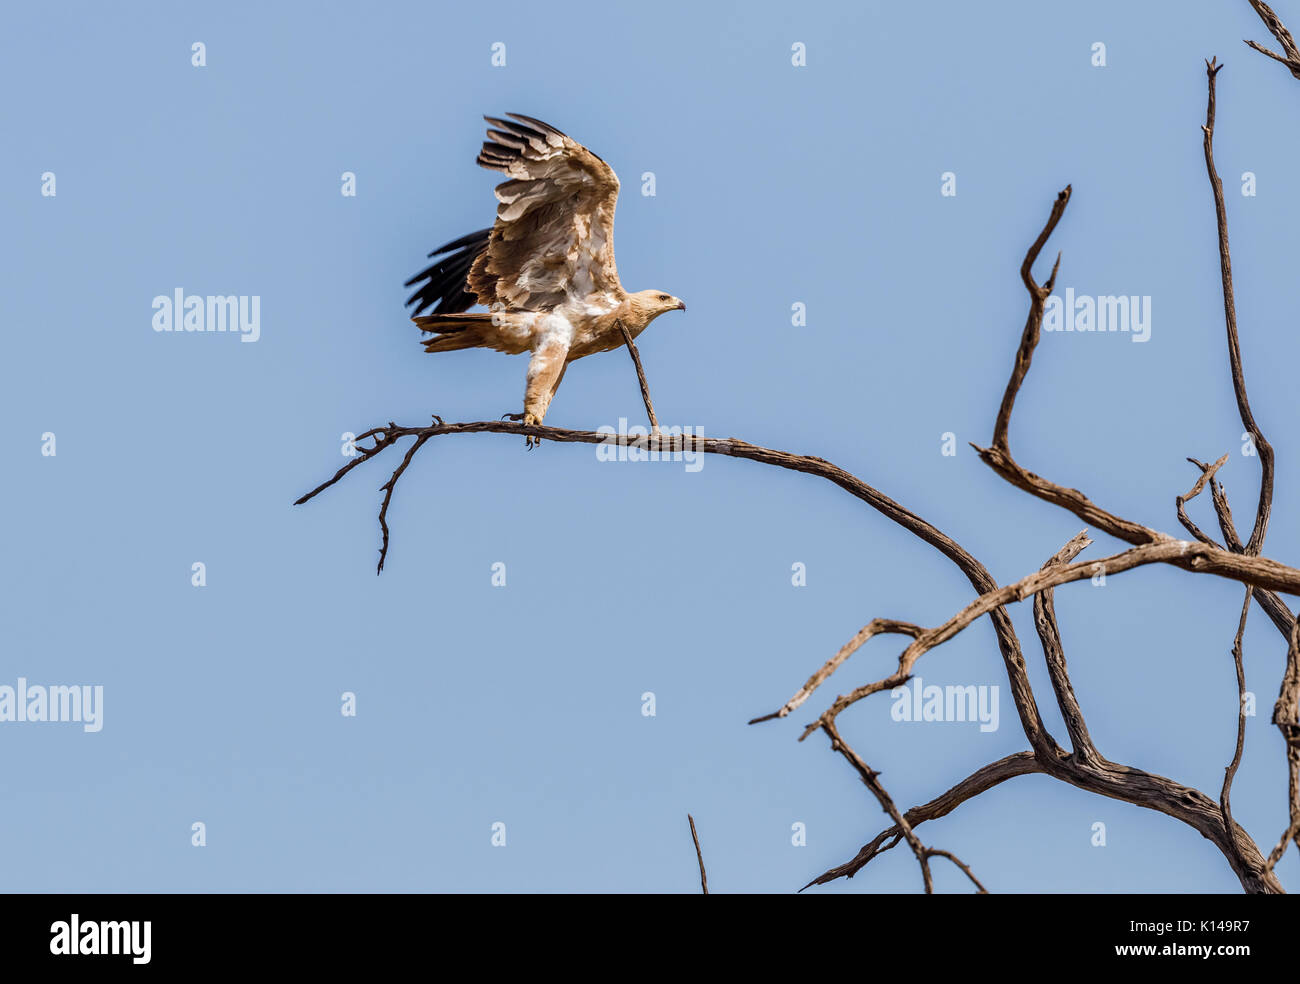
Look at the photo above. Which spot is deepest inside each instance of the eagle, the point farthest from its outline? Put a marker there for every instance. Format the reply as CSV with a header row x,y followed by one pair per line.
x,y
545,270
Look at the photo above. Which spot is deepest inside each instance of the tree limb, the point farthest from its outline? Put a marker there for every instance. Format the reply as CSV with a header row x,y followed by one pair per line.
x,y
1279,31
1265,449
1049,634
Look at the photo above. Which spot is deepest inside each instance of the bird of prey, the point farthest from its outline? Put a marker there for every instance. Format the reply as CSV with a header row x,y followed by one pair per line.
x,y
545,270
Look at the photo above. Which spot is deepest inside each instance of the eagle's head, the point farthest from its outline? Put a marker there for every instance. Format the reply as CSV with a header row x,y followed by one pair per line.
x,y
649,304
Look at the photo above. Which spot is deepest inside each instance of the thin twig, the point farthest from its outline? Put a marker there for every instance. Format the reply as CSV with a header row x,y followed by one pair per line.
x,y
1037,299
640,376
1230,773
699,856
936,853
1180,502
878,626
387,488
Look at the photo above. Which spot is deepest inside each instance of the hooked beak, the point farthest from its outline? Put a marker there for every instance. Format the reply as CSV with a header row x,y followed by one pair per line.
x,y
681,305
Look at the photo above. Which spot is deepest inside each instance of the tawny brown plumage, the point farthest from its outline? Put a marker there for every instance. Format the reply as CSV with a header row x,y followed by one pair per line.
x,y
545,270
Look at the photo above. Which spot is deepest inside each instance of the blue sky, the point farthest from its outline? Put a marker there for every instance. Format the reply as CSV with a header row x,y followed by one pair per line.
x,y
522,704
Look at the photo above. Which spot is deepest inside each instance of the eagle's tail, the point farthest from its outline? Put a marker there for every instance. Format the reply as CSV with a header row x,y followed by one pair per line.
x,y
454,331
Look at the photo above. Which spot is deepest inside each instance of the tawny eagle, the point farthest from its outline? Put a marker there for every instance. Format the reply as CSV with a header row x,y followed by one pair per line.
x,y
545,270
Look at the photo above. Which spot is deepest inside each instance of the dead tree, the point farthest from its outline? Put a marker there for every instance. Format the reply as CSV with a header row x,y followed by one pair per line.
x,y
1081,764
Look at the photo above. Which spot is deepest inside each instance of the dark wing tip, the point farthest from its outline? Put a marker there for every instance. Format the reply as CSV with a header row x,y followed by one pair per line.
x,y
533,121
478,236
442,285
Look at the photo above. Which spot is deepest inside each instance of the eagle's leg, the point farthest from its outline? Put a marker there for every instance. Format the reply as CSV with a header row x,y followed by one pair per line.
x,y
545,371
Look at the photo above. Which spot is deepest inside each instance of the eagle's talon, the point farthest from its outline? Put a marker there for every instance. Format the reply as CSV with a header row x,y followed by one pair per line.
x,y
516,417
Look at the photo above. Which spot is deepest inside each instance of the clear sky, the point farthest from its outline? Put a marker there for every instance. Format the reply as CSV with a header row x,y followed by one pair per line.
x,y
775,185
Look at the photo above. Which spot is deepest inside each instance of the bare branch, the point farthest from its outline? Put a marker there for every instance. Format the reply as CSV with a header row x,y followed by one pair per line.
x,y
1037,298
1292,832
1226,523
935,853
871,779
998,457
1207,473
878,626
994,774
387,488
704,878
1049,634
1265,449
640,376
1230,773
1286,712
1286,715
1166,551
1279,31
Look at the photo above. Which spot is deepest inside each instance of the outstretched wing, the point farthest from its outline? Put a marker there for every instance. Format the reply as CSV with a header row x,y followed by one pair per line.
x,y
554,233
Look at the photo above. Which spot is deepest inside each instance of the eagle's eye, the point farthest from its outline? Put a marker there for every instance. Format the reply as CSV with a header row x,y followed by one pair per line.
x,y
663,297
